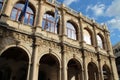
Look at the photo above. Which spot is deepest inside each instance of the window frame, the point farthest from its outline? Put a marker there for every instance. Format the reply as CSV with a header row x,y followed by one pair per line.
x,y
51,27
18,12
100,42
73,32
90,37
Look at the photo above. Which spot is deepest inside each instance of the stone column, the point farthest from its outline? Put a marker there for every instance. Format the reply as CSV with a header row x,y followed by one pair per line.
x,y
59,75
35,64
8,7
39,18
64,64
3,6
100,71
28,73
82,75
81,28
114,75
64,67
84,66
95,43
63,20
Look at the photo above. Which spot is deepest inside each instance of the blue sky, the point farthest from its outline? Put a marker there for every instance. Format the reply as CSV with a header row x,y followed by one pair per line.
x,y
102,11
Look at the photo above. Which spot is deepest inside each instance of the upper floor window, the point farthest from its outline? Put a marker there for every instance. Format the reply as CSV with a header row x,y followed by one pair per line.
x,y
70,31
87,37
29,15
100,41
1,4
48,23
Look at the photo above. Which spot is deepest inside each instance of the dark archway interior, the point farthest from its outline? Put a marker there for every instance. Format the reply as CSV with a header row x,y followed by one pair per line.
x,y
106,73
16,54
74,70
14,64
118,65
92,71
49,68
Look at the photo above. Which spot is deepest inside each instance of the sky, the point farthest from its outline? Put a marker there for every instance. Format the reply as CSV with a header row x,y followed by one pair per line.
x,y
102,11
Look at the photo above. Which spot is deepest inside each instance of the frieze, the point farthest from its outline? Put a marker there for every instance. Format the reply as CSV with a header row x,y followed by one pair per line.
x,y
90,54
49,44
71,49
22,37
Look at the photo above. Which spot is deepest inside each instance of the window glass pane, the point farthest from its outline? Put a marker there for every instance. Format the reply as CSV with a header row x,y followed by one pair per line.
x,y
26,18
43,23
71,32
0,6
99,41
49,23
19,6
14,13
31,20
87,37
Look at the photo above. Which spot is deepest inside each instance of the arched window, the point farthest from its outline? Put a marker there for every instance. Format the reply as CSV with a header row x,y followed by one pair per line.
x,y
100,41
87,37
29,15
70,31
48,23
1,4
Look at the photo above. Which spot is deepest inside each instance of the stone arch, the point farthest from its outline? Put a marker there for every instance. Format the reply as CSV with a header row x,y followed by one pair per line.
x,y
52,53
106,72
19,46
30,4
49,67
73,23
92,71
15,56
74,70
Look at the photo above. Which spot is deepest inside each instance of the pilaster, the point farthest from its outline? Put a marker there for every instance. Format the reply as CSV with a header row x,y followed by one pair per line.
x,y
63,20
64,64
8,8
35,64
81,28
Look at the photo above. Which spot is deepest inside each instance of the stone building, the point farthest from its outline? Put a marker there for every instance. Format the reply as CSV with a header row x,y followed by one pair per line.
x,y
38,48
116,51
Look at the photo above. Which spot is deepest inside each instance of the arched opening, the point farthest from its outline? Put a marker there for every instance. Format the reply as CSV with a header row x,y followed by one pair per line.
x,y
49,68
71,30
49,23
87,36
106,73
92,71
14,64
100,41
29,15
74,70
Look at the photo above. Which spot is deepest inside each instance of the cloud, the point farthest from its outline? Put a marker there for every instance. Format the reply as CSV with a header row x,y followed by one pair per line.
x,y
97,9
114,23
68,2
114,9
